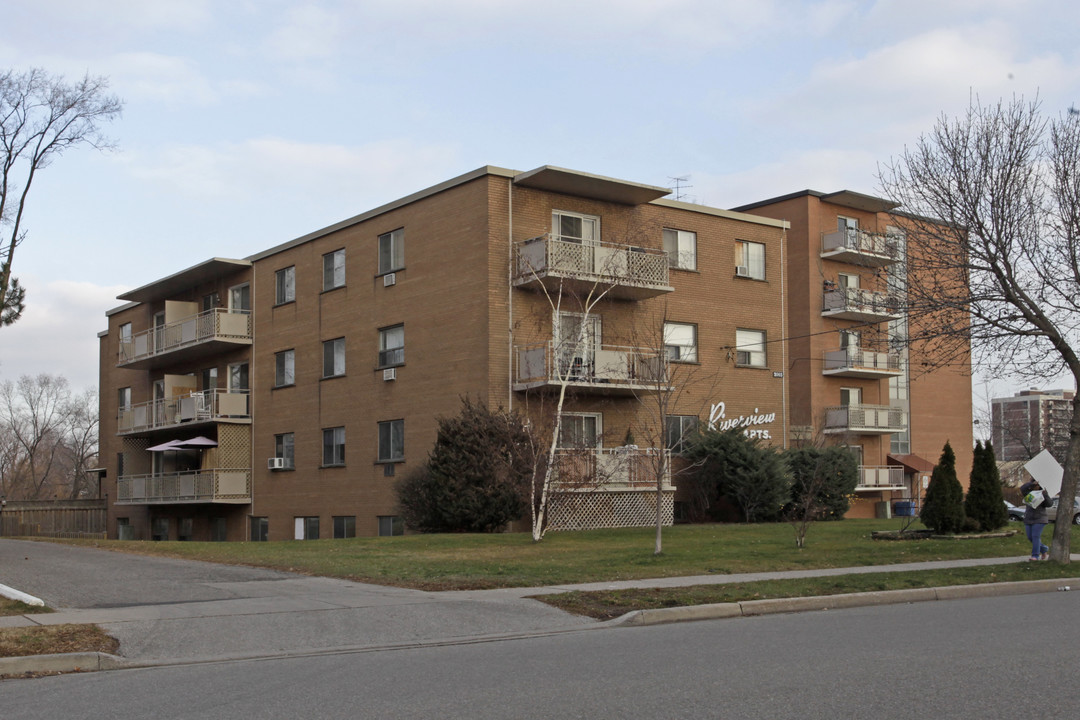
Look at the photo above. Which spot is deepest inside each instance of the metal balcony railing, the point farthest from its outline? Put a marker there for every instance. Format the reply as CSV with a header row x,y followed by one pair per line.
x,y
860,247
879,477
620,468
865,419
215,486
857,362
860,304
219,324
626,271
202,406
608,368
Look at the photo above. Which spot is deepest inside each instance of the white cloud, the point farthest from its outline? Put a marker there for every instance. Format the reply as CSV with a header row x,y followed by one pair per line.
x,y
58,332
306,32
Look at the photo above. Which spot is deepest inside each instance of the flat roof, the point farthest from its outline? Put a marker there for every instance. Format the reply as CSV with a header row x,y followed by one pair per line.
x,y
598,187
177,282
846,198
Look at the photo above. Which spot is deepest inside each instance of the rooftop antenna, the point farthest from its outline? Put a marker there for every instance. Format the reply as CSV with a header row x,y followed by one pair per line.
x,y
680,185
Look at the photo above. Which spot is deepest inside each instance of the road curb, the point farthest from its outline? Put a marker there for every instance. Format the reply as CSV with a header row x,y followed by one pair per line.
x,y
13,594
65,663
750,608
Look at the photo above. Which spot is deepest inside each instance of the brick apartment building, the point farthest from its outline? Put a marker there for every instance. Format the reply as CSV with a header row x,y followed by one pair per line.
x,y
1031,421
280,396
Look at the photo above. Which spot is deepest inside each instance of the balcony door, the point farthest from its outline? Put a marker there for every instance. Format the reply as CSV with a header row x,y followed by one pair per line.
x,y
851,396
240,297
581,430
579,236
577,338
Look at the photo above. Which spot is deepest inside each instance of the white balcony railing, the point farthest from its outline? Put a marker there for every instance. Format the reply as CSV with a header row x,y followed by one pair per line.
x,y
216,486
857,362
218,324
202,406
881,477
628,271
620,468
858,246
604,367
860,304
865,419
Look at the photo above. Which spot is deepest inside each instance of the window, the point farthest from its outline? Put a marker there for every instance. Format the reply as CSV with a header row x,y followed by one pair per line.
x,y
284,368
390,525
333,357
849,339
344,526
124,530
392,441
285,285
392,251
392,346
125,333
680,342
580,430
750,348
260,529
283,448
846,223
119,464
749,260
851,396
240,297
681,248
848,281
159,528
238,377
209,378
306,528
123,398
575,228
678,428
333,270
333,446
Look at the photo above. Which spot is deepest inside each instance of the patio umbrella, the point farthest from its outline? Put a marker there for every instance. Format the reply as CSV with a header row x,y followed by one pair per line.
x,y
171,445
195,443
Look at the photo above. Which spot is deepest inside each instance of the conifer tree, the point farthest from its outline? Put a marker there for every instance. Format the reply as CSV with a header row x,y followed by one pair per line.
x,y
984,502
943,509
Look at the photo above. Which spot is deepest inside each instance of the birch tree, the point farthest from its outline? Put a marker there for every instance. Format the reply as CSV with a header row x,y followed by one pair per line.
x,y
991,207
41,117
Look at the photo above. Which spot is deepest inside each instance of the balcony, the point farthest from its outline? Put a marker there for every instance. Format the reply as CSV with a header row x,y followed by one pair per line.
x,y
610,469
854,362
861,305
625,272
597,369
865,419
880,477
187,339
858,247
190,409
232,487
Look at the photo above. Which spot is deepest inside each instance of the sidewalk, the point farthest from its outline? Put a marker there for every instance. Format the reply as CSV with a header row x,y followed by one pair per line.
x,y
294,615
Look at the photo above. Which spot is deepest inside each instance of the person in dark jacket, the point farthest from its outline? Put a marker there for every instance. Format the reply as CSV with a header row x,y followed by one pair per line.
x,y
1035,519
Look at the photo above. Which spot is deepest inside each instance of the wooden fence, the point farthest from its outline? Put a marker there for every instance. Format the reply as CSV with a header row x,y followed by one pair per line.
x,y
53,518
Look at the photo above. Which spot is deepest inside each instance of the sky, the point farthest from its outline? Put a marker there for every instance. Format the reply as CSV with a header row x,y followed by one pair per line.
x,y
247,124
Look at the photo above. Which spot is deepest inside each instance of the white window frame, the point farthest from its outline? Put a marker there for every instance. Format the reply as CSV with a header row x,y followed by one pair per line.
x,y
750,255
334,270
336,445
675,345
285,448
589,232
333,357
391,251
123,398
677,426
570,422
750,348
285,285
284,368
681,248
393,433
849,394
391,346
240,297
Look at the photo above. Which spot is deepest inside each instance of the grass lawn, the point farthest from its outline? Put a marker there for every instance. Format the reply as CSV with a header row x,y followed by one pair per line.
x,y
445,562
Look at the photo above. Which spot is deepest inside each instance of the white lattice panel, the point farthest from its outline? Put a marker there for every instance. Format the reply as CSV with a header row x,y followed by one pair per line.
x,y
594,510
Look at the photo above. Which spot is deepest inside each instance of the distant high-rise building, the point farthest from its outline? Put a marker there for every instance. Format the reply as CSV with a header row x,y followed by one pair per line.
x,y
1032,421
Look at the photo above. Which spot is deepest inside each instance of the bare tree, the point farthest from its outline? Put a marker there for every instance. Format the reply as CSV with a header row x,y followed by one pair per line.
x,y
991,205
41,116
81,442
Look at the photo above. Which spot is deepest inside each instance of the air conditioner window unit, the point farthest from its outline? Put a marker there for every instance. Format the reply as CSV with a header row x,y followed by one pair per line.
x,y
742,271
389,374
389,279
275,463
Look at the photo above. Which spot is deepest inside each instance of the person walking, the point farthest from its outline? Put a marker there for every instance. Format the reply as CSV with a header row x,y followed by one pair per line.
x,y
1036,501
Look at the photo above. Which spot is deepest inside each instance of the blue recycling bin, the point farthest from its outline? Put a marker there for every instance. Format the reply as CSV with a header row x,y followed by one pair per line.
x,y
903,508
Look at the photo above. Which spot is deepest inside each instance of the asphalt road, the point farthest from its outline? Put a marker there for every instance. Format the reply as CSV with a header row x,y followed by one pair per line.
x,y
987,658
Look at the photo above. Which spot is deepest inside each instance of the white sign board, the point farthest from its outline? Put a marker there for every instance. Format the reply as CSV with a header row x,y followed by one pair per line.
x,y
1046,470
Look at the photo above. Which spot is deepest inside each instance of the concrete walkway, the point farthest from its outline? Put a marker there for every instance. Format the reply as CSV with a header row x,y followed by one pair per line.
x,y
221,612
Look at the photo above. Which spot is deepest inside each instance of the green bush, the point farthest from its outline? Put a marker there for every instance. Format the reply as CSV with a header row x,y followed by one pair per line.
x,y
943,508
752,476
476,477
984,502
831,474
